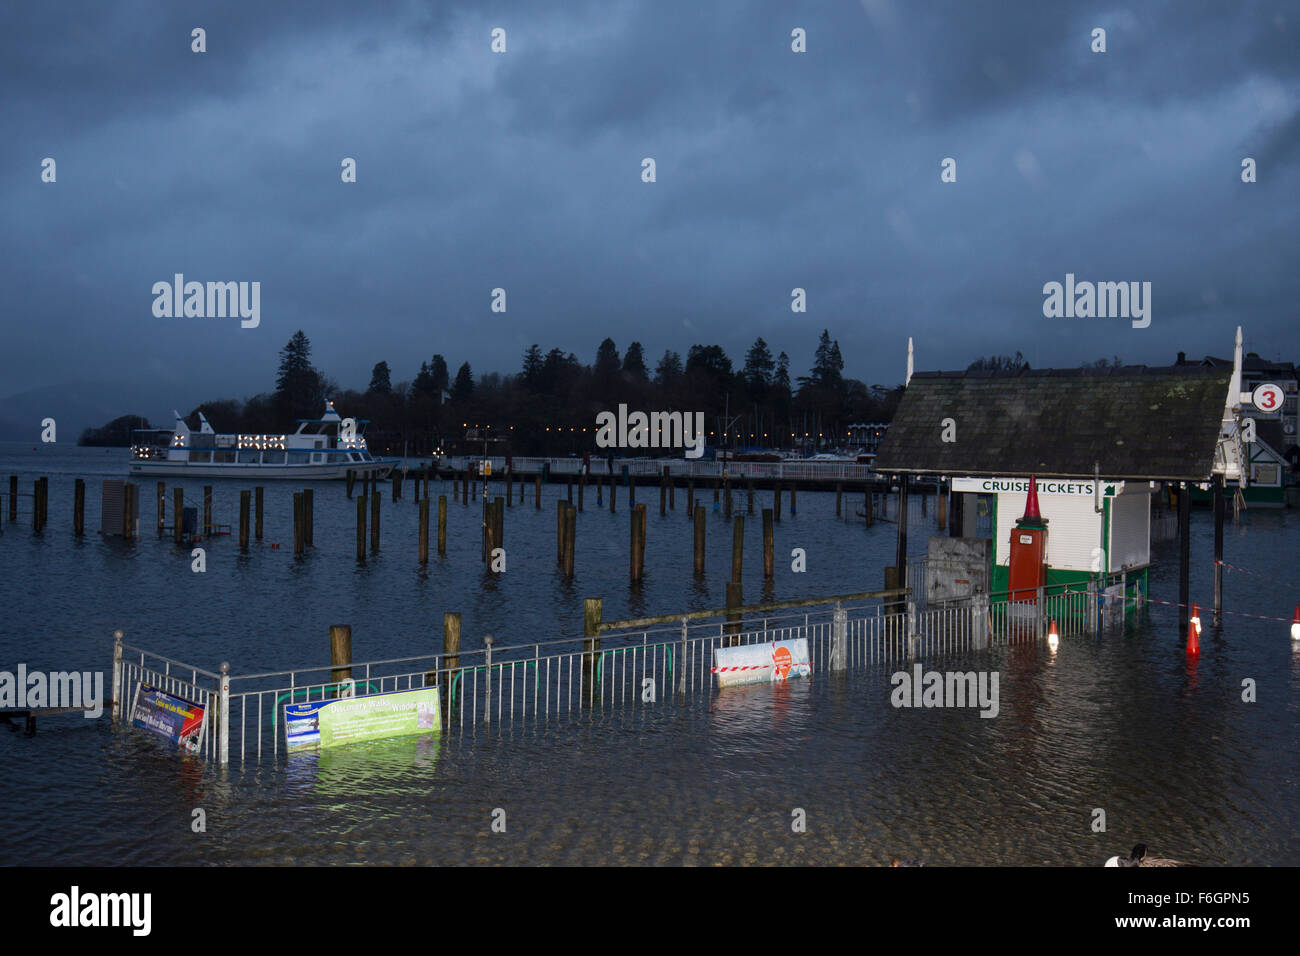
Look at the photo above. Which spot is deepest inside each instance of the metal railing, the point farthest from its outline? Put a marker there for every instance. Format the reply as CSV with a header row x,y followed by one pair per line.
x,y
133,666
624,667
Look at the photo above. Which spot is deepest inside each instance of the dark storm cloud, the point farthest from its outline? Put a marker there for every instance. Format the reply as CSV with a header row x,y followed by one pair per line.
x,y
522,170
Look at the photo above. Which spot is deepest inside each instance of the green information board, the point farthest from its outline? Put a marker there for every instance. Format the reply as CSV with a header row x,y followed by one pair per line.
x,y
350,720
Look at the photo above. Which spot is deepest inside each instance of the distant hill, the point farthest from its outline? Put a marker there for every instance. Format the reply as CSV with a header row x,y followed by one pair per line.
x,y
76,406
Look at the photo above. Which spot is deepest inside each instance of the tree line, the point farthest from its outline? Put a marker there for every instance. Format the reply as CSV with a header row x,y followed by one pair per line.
x,y
544,408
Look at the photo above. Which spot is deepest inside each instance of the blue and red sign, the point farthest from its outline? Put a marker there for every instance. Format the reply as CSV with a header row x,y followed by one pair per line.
x,y
178,720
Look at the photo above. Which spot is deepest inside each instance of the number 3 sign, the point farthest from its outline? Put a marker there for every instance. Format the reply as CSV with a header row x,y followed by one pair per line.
x,y
1267,398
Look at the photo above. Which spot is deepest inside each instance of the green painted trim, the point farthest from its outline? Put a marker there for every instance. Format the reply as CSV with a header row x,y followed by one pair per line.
x,y
1105,533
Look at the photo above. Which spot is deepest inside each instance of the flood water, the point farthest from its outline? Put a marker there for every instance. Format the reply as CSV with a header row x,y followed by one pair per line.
x,y
1119,722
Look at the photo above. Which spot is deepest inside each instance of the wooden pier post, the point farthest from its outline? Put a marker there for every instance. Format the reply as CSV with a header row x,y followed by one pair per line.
x,y
499,515
568,489
257,512
613,493
901,557
13,497
672,490
309,517
737,546
340,653
690,498
299,519
570,540
769,550
1219,508
699,539
397,484
361,528
537,491
734,600
376,499
582,488
839,499
36,507
178,515
726,496
717,489
794,503
510,486
749,494
244,499
560,508
941,508
160,506
1184,554
869,503
352,480
79,508
450,655
631,487
424,529
592,611
451,640
638,542
776,502
489,531
663,496
442,524
207,511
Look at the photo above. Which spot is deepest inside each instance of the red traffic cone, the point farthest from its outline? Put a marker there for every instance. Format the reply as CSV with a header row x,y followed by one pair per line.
x,y
1295,625
1031,501
1194,632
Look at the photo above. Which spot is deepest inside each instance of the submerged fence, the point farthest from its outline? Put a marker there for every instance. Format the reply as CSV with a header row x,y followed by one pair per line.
x,y
622,667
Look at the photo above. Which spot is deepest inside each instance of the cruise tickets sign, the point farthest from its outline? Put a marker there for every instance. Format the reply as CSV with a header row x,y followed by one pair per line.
x,y
173,718
761,663
1080,487
348,720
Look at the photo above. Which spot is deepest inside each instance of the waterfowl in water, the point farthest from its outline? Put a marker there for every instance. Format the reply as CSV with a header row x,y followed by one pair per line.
x,y
1139,858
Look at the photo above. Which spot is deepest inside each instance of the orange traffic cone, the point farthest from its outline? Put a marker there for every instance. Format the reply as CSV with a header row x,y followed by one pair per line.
x,y
1194,632
1053,636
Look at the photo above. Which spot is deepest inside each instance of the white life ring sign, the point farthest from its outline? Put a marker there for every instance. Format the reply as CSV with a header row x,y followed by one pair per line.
x,y
1267,397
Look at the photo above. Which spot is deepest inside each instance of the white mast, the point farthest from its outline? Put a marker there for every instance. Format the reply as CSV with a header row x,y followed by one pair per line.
x,y
909,361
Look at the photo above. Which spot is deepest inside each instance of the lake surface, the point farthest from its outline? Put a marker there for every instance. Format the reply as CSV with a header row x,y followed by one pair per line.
x,y
1119,722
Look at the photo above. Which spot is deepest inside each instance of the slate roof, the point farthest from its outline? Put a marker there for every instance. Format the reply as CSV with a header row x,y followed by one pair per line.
x,y
1136,422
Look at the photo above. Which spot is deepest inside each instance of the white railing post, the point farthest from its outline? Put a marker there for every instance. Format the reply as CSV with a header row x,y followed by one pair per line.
x,y
681,666
911,629
223,726
487,694
839,638
117,676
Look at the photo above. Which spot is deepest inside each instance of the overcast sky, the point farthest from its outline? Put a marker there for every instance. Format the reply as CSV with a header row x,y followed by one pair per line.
x,y
522,170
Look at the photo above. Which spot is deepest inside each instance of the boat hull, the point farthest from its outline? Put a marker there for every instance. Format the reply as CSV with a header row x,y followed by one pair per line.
x,y
307,472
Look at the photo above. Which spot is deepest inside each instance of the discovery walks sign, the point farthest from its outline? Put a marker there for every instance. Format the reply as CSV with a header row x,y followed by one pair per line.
x,y
349,720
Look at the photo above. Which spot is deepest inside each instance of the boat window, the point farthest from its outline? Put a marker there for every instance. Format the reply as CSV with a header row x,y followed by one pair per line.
x,y
250,456
273,458
354,456
224,455
200,455
335,457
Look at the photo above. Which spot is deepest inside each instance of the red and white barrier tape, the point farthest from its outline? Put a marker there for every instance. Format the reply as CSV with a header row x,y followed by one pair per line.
x,y
1258,617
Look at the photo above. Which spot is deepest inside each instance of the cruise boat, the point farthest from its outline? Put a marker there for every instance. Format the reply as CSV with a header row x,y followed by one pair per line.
x,y
321,448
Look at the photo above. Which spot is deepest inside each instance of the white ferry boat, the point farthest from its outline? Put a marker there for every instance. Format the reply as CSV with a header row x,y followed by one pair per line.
x,y
321,448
